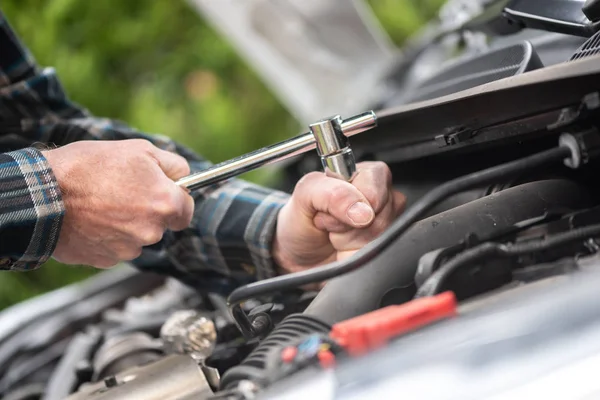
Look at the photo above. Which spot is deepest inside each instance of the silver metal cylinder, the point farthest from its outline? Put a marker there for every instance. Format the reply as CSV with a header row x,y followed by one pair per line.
x,y
333,147
359,123
329,135
174,377
123,352
341,165
248,162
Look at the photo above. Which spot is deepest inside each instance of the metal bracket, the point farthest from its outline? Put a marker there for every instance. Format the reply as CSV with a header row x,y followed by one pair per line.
x,y
570,115
454,136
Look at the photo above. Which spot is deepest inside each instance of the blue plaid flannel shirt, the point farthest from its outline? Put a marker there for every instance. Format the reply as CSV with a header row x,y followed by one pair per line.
x,y
228,242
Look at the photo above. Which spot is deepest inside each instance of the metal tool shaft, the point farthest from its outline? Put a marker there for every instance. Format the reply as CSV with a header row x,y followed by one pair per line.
x,y
248,162
267,155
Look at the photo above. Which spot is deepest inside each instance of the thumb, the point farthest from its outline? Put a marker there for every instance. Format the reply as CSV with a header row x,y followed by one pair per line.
x,y
317,193
173,165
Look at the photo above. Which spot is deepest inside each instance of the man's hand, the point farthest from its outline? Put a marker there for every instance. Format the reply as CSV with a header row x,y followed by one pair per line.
x,y
328,219
119,196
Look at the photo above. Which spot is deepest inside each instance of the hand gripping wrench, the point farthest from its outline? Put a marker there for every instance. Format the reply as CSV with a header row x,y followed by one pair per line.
x,y
329,136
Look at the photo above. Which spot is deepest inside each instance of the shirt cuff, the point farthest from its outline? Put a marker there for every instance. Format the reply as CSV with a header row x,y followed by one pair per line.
x,y
237,222
229,242
31,210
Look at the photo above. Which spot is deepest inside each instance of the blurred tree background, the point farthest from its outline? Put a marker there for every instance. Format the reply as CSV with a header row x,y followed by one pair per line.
x,y
159,67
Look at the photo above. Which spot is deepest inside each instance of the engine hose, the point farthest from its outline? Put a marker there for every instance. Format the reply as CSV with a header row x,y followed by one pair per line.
x,y
398,228
262,364
389,278
486,250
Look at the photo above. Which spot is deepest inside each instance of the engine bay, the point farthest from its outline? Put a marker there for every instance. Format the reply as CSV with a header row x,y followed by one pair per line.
x,y
484,288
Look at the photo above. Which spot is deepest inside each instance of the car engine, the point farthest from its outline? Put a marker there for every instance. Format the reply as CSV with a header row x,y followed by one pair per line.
x,y
485,287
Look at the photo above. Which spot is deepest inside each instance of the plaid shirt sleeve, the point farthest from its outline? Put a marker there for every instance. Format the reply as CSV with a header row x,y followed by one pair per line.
x,y
31,209
228,242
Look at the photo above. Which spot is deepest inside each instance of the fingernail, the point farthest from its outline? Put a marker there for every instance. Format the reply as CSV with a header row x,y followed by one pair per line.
x,y
360,213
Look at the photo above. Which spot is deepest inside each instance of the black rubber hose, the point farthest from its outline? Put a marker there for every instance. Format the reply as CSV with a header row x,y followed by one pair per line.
x,y
263,364
401,225
389,279
486,250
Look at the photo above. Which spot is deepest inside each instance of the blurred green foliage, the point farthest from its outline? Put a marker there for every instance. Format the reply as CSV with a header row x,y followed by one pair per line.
x,y
159,67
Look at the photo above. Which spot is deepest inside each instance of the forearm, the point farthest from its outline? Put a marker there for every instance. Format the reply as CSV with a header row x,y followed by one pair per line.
x,y
232,230
31,210
231,234
230,237
234,223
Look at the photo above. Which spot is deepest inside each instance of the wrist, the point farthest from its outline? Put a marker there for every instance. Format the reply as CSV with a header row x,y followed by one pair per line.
x,y
62,165
280,261
277,253
55,166
283,244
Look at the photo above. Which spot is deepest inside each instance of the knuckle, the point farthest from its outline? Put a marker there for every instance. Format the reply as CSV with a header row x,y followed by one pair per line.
x,y
150,236
143,144
135,143
376,165
380,165
184,220
130,253
165,206
145,149
183,165
378,197
386,172
379,169
307,180
399,201
380,225
338,194
185,169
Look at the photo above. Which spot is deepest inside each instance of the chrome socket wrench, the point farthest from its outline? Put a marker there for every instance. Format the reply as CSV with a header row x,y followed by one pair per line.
x,y
329,136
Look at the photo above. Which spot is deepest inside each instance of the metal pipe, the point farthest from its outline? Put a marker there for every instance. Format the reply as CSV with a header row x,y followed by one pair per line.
x,y
359,123
267,155
248,162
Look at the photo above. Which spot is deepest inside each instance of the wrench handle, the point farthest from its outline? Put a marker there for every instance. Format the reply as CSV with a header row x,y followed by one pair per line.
x,y
332,146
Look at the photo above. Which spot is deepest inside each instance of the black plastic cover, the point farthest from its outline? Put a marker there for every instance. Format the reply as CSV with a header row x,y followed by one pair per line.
x,y
496,112
477,70
591,9
562,16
